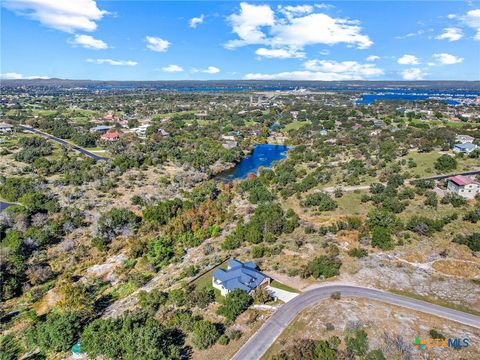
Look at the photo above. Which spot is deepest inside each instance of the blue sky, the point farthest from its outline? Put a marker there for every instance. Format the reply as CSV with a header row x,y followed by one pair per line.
x,y
301,40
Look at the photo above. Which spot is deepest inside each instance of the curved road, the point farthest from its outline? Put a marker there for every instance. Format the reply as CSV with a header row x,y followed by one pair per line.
x,y
261,341
63,142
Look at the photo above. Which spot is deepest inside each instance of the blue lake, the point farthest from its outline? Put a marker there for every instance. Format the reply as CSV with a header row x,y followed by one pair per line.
x,y
371,98
262,155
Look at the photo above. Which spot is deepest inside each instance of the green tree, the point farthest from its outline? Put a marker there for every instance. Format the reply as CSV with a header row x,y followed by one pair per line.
x,y
323,266
382,238
205,334
56,334
445,163
236,302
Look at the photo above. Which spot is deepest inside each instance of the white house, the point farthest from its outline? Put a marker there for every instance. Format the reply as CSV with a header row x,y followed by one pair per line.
x,y
464,186
5,128
466,148
464,139
238,275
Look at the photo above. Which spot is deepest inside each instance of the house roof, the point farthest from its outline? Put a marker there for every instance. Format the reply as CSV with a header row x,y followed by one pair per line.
x,y
461,180
102,127
466,146
111,135
239,275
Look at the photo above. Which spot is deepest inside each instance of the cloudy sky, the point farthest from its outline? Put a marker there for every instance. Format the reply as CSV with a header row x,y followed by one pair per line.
x,y
159,40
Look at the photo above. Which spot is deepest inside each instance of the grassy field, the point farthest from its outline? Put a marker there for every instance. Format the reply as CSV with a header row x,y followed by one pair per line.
x,y
278,285
296,125
453,124
206,279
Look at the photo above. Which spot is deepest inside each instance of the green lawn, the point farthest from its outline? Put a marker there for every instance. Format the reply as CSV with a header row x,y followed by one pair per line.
x,y
439,123
296,125
425,162
350,204
206,279
279,285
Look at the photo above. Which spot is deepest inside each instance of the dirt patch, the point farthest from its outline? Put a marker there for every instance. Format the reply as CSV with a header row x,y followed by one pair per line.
x,y
457,268
382,323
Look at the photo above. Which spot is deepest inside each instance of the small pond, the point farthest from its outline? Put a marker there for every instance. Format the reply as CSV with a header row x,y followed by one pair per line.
x,y
262,155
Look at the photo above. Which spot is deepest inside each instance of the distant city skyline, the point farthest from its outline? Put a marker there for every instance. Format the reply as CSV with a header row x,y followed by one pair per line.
x,y
197,40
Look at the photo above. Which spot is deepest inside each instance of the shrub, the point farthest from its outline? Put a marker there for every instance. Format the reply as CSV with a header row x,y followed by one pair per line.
x,y
56,334
357,343
322,200
323,266
445,163
205,334
129,337
236,302
382,238
357,252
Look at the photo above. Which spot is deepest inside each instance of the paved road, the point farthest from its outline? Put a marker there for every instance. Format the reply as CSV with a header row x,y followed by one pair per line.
x,y
259,343
63,142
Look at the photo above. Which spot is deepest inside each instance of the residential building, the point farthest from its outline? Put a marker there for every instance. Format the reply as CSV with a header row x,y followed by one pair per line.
x,y
5,128
238,275
464,139
101,128
464,148
230,144
111,136
464,186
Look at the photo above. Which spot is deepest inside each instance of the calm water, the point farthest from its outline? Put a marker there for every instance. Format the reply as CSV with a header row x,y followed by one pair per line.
x,y
371,98
262,155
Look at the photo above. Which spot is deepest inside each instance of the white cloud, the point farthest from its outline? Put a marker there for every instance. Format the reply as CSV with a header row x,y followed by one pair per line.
x,y
372,58
447,59
290,11
450,34
247,25
157,44
280,53
324,70
413,74
211,70
319,29
257,24
408,60
68,16
89,42
196,21
472,19
112,62
172,68
17,76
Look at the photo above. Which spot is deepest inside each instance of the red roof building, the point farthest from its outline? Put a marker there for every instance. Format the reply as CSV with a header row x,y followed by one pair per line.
x,y
461,180
111,136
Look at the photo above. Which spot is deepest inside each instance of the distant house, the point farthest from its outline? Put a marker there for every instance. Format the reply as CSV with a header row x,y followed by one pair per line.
x,y
323,132
464,148
101,128
230,144
5,128
111,136
162,132
464,186
464,139
243,276
378,123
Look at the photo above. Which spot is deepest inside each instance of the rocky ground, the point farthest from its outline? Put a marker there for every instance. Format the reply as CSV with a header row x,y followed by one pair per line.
x,y
389,328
